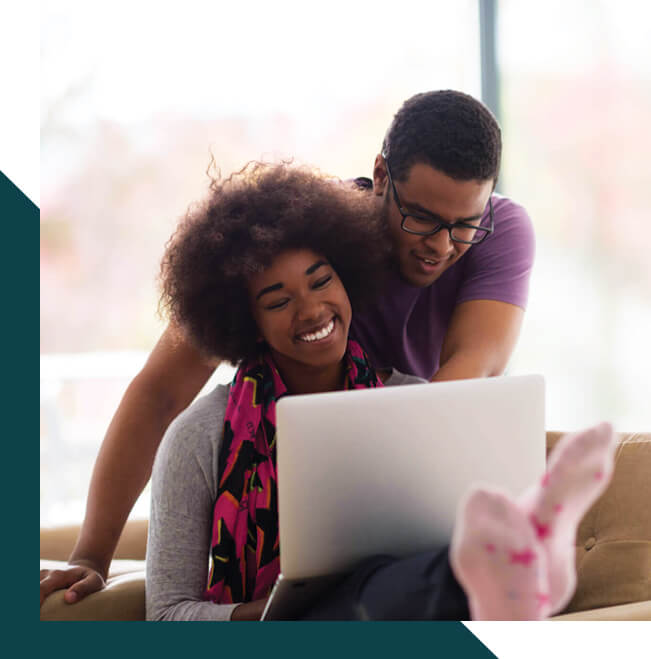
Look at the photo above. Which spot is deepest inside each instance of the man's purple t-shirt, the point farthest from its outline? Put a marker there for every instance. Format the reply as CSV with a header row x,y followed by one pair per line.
x,y
405,327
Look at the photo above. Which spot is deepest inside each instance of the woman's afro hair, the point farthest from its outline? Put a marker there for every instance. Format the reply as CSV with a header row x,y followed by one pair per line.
x,y
245,222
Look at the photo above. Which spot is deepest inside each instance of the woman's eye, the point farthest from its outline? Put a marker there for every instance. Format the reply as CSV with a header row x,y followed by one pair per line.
x,y
277,305
320,283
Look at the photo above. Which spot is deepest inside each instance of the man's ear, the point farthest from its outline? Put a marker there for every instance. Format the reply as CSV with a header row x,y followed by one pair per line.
x,y
380,180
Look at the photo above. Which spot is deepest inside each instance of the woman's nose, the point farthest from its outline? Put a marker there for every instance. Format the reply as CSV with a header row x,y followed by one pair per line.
x,y
309,307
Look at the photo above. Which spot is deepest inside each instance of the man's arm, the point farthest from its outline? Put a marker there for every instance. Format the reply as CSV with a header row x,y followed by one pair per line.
x,y
480,339
493,293
167,384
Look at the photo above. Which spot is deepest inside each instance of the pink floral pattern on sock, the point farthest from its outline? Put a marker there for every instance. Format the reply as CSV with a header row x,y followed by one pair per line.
x,y
579,468
525,557
542,599
542,530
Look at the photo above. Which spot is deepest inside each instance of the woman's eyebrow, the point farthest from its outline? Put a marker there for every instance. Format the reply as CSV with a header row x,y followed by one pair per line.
x,y
315,266
279,285
269,289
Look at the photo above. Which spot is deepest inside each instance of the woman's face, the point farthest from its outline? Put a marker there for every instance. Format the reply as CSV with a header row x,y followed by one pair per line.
x,y
301,309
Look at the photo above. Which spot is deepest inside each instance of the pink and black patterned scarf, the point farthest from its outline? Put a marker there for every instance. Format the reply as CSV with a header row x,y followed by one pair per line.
x,y
245,550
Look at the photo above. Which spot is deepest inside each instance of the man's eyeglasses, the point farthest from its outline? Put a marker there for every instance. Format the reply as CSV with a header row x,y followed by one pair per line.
x,y
468,233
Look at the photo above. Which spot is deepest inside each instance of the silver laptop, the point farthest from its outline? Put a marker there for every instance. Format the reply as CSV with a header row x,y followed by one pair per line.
x,y
381,471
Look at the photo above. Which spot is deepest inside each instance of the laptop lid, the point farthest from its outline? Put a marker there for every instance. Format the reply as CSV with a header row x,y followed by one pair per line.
x,y
381,471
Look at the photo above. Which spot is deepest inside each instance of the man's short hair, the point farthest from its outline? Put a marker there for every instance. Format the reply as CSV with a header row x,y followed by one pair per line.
x,y
448,130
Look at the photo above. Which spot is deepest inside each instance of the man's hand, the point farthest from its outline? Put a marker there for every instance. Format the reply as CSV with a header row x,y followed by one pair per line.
x,y
249,610
80,580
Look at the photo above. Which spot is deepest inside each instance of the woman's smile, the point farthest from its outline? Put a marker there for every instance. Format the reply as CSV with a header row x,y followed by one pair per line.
x,y
318,335
303,313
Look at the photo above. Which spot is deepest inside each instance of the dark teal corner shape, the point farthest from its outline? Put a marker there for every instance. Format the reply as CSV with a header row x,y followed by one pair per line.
x,y
19,228
19,268
14,203
313,640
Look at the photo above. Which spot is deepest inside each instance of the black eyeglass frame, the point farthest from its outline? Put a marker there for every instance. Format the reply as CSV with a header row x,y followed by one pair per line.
x,y
485,231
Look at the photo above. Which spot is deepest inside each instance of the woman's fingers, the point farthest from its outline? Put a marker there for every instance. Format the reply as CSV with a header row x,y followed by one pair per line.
x,y
81,581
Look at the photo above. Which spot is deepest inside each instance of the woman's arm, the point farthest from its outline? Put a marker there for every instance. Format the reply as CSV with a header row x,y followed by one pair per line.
x,y
184,487
170,379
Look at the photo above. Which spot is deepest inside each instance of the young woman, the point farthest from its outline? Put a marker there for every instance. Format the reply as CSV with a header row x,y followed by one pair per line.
x,y
263,275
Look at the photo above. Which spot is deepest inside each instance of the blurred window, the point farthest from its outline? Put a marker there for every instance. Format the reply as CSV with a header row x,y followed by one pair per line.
x,y
576,101
134,103
133,106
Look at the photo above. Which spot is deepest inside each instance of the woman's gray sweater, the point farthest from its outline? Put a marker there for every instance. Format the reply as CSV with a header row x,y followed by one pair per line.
x,y
184,489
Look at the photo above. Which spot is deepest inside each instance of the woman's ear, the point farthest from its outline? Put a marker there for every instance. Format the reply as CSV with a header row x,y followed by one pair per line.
x,y
380,179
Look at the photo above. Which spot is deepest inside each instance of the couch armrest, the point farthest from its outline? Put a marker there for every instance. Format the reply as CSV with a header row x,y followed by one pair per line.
x,y
632,611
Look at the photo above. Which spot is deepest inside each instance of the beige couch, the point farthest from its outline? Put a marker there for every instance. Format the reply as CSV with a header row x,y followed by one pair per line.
x,y
613,553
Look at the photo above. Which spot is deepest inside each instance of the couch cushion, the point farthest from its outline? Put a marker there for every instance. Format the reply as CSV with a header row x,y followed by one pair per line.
x,y
117,568
633,611
613,545
122,599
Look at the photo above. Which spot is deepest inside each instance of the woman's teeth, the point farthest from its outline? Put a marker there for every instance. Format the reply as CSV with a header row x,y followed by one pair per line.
x,y
321,334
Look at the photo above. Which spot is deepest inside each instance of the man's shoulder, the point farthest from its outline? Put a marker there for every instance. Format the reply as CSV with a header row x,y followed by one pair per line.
x,y
513,231
506,211
499,267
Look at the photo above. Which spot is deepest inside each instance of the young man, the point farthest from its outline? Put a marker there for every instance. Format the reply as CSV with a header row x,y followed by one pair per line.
x,y
452,308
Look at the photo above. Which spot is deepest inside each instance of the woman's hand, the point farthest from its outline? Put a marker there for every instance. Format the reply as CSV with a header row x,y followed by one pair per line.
x,y
81,580
249,610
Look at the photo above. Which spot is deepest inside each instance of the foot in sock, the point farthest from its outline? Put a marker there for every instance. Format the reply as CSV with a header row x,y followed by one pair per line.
x,y
578,471
497,559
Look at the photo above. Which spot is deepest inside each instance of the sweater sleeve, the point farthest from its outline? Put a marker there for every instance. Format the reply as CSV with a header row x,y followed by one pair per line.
x,y
184,487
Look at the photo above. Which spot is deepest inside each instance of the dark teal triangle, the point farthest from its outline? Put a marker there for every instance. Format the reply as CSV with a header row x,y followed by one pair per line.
x,y
316,640
14,202
19,277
